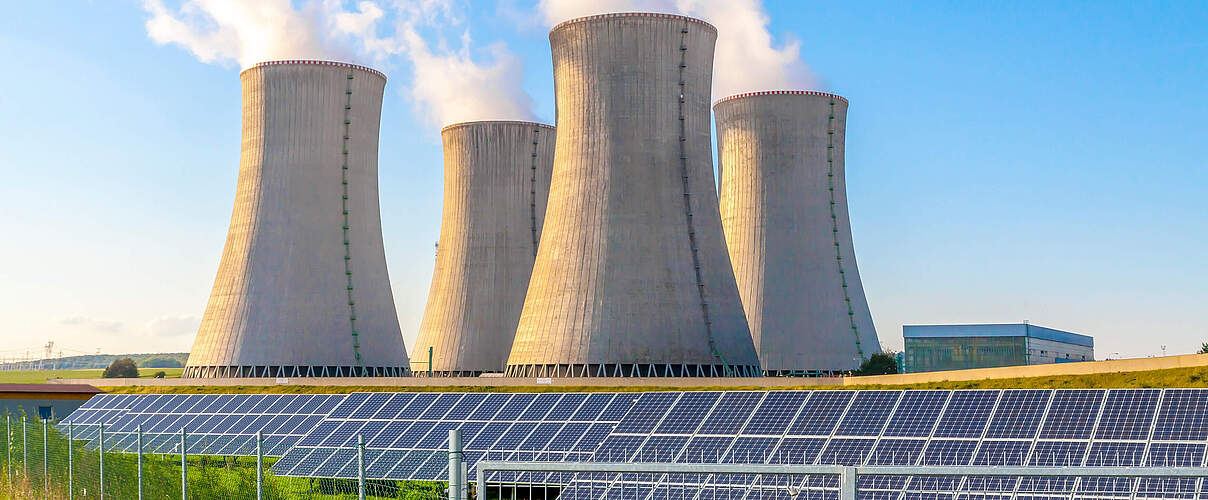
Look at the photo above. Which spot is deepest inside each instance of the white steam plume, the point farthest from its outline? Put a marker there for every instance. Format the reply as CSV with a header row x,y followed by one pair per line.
x,y
746,59
448,85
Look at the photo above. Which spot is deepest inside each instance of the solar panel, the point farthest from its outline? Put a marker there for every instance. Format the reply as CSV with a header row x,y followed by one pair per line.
x,y
822,414
688,412
1072,414
731,413
868,413
1018,413
917,413
775,413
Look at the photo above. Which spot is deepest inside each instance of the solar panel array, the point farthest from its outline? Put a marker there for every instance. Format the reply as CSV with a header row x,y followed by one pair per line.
x,y
406,434
1125,427
216,424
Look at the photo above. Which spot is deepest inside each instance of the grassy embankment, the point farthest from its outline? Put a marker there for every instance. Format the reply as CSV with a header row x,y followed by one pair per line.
x,y
1174,377
40,376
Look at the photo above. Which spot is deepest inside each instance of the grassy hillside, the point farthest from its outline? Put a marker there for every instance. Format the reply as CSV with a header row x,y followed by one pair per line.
x,y
40,376
1175,377
100,361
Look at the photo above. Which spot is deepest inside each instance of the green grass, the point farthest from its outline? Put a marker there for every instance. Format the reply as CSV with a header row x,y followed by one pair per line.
x,y
40,376
209,477
1174,377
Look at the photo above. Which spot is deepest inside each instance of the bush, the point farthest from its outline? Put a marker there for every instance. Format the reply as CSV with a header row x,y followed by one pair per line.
x,y
161,374
878,364
121,368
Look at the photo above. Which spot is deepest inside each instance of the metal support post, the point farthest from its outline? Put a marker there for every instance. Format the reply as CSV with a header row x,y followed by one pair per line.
x,y
847,484
259,465
45,465
480,484
8,446
101,466
139,442
70,460
360,467
456,486
25,446
184,465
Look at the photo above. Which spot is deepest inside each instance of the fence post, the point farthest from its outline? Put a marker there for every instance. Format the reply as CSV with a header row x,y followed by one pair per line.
x,y
184,465
847,484
45,468
8,446
101,467
259,465
360,467
455,479
139,442
25,446
70,458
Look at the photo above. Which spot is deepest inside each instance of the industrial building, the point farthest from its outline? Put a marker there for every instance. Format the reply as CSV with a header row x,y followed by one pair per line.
x,y
783,201
632,277
958,347
497,176
302,288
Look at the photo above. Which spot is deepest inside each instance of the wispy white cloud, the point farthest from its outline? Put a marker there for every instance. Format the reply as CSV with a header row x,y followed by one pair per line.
x,y
450,82
173,326
92,324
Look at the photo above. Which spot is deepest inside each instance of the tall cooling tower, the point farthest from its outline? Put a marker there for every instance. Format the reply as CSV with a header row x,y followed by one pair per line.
x,y
496,185
784,208
302,288
632,276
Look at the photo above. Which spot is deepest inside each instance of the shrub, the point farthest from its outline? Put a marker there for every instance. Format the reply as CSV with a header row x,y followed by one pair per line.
x,y
121,368
161,374
878,364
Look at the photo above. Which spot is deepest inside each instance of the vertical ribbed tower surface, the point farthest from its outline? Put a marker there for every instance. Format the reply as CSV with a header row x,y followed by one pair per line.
x,y
302,288
496,185
632,276
784,207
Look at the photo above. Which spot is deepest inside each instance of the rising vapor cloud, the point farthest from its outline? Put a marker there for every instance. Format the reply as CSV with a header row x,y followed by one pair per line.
x,y
747,57
448,84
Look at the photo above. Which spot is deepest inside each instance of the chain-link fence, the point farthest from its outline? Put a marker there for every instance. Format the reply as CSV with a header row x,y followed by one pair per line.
x,y
44,460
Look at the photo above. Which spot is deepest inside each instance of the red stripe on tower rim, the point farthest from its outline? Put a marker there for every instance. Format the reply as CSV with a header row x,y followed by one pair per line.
x,y
495,122
314,62
781,92
633,14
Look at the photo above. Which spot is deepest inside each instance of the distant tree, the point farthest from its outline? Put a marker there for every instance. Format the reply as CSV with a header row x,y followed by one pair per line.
x,y
161,374
878,364
121,368
1203,349
161,363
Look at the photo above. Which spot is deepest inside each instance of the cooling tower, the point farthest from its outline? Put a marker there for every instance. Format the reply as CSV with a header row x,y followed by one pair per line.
x,y
784,208
496,184
302,287
632,276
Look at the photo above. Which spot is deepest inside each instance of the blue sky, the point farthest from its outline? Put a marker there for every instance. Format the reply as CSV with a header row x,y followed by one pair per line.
x,y
1006,161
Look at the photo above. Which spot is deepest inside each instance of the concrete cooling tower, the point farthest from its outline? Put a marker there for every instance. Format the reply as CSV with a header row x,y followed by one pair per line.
x,y
302,287
496,184
632,276
784,208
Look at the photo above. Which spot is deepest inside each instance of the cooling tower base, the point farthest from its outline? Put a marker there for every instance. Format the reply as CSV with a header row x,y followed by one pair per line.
x,y
449,373
292,371
632,370
806,373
